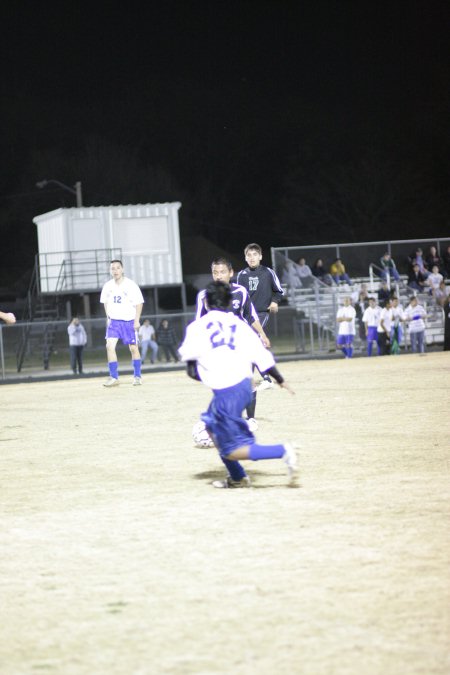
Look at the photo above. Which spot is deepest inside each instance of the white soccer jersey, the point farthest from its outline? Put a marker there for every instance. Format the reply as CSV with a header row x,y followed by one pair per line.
x,y
346,327
387,317
371,316
225,349
120,300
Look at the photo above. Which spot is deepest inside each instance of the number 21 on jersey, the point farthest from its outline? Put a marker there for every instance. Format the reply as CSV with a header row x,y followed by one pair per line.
x,y
221,336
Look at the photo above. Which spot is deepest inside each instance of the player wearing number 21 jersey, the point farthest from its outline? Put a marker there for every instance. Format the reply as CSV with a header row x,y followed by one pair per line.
x,y
220,350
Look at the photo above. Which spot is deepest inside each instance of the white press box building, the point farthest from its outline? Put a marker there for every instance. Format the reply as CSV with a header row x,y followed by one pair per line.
x,y
76,246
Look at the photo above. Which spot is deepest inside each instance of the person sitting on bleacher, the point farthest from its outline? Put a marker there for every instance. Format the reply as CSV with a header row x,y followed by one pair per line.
x,y
320,272
433,259
337,271
388,267
416,279
304,273
384,294
416,258
441,294
289,275
446,263
434,280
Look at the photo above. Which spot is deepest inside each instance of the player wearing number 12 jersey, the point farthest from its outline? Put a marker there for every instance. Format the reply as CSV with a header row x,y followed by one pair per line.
x,y
220,350
123,300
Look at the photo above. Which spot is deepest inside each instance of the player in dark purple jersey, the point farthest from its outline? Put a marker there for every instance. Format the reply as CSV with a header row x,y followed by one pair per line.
x,y
222,270
263,287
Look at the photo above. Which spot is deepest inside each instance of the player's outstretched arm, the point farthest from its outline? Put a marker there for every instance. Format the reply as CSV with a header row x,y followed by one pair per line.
x,y
277,376
192,370
8,317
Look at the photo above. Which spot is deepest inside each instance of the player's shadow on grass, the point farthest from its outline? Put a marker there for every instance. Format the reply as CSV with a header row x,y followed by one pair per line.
x,y
210,476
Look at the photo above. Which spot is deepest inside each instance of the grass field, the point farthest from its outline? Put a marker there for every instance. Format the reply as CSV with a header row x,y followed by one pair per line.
x,y
118,557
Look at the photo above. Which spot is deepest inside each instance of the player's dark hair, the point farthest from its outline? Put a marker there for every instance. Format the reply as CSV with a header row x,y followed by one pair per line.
x,y
253,247
222,261
117,261
218,295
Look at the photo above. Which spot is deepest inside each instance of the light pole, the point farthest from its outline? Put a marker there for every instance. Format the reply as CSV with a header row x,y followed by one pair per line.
x,y
76,190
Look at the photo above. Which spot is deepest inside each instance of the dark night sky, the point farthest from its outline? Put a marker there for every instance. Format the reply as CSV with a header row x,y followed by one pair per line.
x,y
253,114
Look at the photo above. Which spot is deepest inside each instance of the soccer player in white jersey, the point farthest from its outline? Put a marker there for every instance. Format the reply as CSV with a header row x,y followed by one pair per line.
x,y
346,328
123,301
220,350
371,319
241,306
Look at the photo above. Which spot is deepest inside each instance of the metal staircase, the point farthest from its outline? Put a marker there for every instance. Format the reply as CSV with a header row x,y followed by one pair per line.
x,y
39,317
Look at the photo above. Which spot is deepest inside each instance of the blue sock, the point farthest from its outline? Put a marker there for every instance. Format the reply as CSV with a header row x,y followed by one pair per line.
x,y
137,367
369,349
114,369
235,469
349,352
257,451
344,349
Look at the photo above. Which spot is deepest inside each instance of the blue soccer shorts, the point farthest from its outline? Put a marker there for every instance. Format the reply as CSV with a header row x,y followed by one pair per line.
x,y
224,420
123,330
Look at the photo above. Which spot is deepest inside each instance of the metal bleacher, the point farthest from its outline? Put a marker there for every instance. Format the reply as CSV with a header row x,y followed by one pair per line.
x,y
318,304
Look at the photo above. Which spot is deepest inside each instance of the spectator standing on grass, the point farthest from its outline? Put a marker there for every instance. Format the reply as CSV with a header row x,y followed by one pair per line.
x,y
388,267
415,315
446,308
398,316
168,341
361,303
77,342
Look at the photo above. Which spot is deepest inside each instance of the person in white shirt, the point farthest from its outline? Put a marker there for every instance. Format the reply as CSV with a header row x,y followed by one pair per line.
x,y
220,350
345,319
123,301
415,315
384,329
77,342
147,339
371,319
434,280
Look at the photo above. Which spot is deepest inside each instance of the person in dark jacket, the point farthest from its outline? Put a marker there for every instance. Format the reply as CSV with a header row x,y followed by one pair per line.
x,y
167,340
